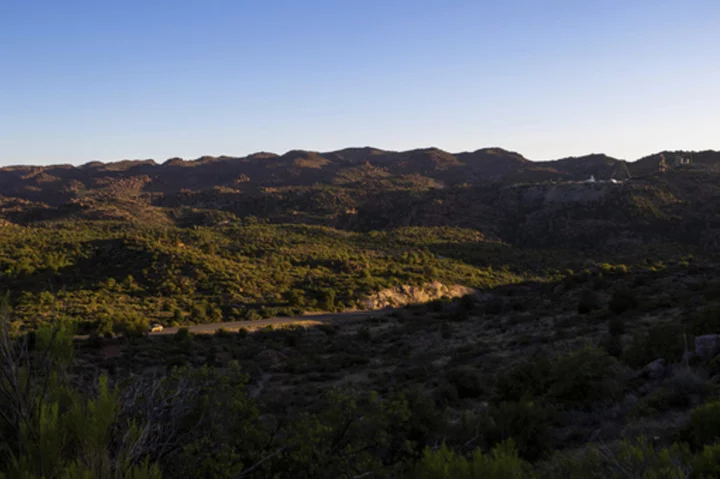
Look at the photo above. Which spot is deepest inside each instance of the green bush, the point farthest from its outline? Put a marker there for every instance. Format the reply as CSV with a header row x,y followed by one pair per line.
x,y
467,382
706,321
182,334
529,379
612,345
706,463
527,423
198,314
496,305
364,334
661,401
622,301
328,329
50,427
706,423
616,326
502,462
446,330
132,326
663,341
588,302
628,459
584,377
223,333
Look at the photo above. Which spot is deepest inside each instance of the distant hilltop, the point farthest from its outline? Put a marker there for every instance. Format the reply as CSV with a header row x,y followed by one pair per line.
x,y
299,167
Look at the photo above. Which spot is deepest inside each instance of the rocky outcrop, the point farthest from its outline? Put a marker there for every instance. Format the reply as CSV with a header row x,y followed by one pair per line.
x,y
706,347
655,370
405,294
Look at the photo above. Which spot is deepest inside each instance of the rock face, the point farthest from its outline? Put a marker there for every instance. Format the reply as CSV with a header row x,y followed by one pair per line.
x,y
403,295
706,347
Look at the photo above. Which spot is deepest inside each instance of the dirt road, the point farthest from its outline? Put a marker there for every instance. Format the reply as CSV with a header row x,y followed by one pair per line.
x,y
307,319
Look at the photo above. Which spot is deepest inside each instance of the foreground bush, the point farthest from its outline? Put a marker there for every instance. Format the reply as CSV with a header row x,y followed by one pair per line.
x,y
628,459
622,301
663,341
706,423
502,463
528,424
584,377
49,427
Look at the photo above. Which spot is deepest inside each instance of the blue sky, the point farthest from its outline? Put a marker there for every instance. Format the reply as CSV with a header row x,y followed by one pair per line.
x,y
110,80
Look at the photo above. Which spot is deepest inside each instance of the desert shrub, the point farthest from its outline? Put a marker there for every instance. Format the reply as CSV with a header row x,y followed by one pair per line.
x,y
182,334
588,302
252,369
364,334
610,269
503,462
706,321
328,329
664,341
198,314
584,377
327,300
132,326
446,330
468,382
467,302
628,459
527,423
616,326
706,463
660,401
344,438
223,333
436,305
459,315
95,340
176,360
622,301
215,314
51,427
706,423
528,379
495,305
446,394
612,345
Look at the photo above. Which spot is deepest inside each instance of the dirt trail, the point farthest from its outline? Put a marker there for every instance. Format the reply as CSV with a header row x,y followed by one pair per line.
x,y
308,319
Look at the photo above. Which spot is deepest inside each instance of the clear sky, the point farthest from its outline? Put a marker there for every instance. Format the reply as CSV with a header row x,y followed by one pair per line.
x,y
84,80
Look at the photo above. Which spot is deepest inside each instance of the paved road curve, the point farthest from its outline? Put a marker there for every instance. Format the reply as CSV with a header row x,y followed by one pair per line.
x,y
261,323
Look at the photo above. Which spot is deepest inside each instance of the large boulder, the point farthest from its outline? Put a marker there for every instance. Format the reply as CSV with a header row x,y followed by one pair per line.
x,y
655,370
706,346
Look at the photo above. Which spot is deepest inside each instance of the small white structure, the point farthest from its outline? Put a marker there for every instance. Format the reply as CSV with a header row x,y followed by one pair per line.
x,y
156,328
591,179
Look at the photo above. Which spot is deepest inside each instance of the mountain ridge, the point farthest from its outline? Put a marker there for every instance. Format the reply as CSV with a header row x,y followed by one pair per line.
x,y
496,191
